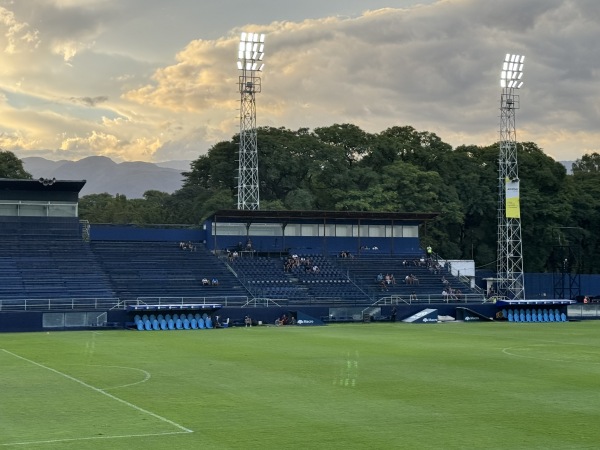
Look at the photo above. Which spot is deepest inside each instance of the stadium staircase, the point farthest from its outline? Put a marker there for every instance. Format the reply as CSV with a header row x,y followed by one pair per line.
x,y
363,271
151,270
46,258
266,277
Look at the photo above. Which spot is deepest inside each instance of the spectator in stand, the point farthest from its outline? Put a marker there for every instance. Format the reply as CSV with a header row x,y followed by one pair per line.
x,y
383,285
413,296
408,279
214,281
414,279
445,295
247,321
205,282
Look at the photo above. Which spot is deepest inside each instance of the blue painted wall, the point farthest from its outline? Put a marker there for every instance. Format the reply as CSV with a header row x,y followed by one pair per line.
x,y
102,232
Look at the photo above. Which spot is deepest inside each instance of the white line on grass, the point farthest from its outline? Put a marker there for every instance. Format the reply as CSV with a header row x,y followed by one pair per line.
x,y
509,351
124,436
101,391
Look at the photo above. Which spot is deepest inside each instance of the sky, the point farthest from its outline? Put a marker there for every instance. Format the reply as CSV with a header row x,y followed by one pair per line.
x,y
156,80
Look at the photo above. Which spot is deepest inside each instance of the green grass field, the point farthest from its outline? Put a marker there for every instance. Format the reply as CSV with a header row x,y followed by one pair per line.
x,y
364,386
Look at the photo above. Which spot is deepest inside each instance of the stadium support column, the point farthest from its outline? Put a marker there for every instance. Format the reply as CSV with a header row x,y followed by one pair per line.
x,y
510,255
250,56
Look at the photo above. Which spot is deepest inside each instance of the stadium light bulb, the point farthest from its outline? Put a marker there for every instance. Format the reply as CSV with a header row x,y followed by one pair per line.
x,y
512,71
251,50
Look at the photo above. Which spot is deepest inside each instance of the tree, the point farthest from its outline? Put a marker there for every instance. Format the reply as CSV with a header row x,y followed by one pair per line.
x,y
587,163
12,167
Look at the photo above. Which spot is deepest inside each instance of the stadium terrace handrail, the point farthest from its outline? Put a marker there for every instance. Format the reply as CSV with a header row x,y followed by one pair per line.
x,y
59,304
239,300
266,302
430,299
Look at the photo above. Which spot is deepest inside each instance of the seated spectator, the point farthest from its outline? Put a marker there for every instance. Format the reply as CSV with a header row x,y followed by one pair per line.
x,y
249,245
315,269
379,277
413,296
445,294
205,282
214,281
247,321
392,279
408,279
414,279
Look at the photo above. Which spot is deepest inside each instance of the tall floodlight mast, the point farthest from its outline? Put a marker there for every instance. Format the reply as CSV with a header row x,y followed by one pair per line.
x,y
250,56
510,254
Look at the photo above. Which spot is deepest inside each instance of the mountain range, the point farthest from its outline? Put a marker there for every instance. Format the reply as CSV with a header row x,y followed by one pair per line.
x,y
103,175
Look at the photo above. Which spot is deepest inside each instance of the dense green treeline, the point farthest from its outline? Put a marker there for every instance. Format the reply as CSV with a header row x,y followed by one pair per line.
x,y
344,168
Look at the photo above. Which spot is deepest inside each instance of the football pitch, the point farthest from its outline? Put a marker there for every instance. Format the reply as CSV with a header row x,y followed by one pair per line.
x,y
351,386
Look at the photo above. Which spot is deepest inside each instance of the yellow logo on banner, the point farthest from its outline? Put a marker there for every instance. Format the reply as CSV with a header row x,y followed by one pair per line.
x,y
513,206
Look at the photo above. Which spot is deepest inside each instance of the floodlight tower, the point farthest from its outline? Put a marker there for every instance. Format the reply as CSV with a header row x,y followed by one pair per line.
x,y
510,254
250,56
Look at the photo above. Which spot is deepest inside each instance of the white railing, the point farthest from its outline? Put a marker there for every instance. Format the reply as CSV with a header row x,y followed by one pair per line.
x,y
59,304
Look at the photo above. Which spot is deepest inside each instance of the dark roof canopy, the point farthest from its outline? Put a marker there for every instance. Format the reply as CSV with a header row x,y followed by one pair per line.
x,y
42,189
253,215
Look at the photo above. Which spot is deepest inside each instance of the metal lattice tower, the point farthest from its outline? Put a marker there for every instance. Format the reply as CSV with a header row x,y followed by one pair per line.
x,y
250,55
510,254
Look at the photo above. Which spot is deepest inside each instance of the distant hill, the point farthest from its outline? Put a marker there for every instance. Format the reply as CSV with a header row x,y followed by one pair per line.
x,y
568,165
102,174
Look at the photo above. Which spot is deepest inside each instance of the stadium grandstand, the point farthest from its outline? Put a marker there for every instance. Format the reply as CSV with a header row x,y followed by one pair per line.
x,y
57,272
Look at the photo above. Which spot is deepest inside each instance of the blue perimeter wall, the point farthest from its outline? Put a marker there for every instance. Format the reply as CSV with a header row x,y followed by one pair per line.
x,y
105,232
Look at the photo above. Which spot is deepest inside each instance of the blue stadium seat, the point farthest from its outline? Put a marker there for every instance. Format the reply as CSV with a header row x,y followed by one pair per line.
x,y
171,324
563,317
168,317
155,325
136,318
178,324
186,324
163,324
147,325
140,325
208,322
194,324
201,323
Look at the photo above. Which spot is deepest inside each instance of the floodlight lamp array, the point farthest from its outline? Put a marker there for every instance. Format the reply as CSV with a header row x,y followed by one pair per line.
x,y
251,52
512,71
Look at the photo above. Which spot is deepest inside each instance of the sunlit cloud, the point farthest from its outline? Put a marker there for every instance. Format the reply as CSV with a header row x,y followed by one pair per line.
x,y
434,67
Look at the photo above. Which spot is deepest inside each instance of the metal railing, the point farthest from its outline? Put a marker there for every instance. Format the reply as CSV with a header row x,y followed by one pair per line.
x,y
430,299
60,304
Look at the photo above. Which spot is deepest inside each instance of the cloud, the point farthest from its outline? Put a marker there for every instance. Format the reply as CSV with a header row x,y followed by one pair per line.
x,y
434,67
17,35
90,101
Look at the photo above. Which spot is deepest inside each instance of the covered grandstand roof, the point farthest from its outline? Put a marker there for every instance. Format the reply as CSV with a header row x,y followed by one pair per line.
x,y
322,215
40,189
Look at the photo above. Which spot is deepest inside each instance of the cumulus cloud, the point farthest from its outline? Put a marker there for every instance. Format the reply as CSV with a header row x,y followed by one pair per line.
x,y
434,66
18,35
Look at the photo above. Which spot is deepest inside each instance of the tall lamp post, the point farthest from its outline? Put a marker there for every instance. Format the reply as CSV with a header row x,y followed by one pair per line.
x,y
510,254
250,56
